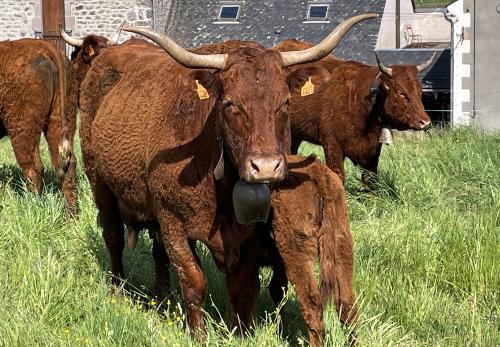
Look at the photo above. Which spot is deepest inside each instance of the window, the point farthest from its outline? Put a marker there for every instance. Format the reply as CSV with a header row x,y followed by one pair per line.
x,y
317,12
229,13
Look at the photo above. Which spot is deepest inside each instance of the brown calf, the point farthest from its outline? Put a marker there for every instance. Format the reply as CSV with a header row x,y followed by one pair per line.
x,y
309,219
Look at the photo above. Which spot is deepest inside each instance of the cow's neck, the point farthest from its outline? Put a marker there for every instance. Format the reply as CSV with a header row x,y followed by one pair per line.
x,y
371,126
232,234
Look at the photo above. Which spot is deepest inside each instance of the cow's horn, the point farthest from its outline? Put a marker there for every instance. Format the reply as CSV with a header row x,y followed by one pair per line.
x,y
179,54
70,40
324,48
425,65
382,67
116,35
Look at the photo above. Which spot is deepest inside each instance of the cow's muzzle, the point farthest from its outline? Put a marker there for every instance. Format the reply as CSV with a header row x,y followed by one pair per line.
x,y
264,168
424,123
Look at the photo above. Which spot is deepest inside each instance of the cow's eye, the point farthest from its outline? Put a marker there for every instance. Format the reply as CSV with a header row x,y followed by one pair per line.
x,y
227,103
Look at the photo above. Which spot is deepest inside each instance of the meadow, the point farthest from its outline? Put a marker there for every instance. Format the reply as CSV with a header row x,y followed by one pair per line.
x,y
426,244
432,3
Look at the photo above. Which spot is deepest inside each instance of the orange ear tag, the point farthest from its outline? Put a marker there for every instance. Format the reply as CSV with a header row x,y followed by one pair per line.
x,y
202,92
91,51
307,88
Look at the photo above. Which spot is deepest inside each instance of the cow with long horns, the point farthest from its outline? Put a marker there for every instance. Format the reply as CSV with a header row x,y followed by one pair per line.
x,y
160,129
37,95
348,117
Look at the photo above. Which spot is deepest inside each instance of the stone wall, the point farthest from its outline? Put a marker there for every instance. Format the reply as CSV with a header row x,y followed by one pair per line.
x,y
16,17
22,18
102,17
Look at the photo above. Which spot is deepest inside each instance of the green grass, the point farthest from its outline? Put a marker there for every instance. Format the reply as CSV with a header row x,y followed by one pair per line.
x,y
432,3
427,261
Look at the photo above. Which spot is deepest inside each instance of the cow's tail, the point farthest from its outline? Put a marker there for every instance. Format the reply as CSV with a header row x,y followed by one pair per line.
x,y
65,142
335,246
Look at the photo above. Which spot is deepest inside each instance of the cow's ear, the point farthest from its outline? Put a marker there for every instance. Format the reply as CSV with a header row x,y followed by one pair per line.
x,y
205,84
306,81
89,50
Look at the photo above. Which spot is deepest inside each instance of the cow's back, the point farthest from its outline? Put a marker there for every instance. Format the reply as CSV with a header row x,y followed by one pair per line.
x,y
137,119
29,77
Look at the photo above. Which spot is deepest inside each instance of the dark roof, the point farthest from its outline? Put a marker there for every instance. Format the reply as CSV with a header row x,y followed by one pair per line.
x,y
192,23
436,77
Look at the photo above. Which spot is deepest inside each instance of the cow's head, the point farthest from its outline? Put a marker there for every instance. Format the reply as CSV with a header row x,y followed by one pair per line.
x,y
255,91
401,93
87,49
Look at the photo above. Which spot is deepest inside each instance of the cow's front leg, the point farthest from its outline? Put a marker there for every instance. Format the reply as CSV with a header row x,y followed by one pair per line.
x,y
162,263
191,278
369,170
243,287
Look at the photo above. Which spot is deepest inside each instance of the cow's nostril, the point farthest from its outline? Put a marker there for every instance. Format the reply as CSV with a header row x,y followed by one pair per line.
x,y
254,166
424,123
277,166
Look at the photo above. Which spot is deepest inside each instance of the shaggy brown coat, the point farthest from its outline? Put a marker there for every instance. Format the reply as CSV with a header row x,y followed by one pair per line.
x,y
308,219
92,46
342,117
37,94
149,145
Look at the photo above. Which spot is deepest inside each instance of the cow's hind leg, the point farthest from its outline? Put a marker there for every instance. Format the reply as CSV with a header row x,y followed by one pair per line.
x,y
298,262
112,228
300,274
343,292
192,280
66,175
26,146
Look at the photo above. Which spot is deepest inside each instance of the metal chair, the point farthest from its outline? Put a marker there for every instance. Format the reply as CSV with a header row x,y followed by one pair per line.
x,y
411,38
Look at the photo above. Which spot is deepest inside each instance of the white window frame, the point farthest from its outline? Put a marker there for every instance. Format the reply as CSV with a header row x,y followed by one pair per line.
x,y
315,20
227,20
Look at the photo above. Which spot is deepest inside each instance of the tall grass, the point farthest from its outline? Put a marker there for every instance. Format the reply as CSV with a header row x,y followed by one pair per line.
x,y
427,260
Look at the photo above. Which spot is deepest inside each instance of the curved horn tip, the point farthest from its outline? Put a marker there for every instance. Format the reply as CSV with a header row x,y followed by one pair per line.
x,y
424,66
116,35
322,49
386,70
70,40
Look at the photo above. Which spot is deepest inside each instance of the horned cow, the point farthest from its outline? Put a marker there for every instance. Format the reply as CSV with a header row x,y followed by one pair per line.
x,y
347,117
154,126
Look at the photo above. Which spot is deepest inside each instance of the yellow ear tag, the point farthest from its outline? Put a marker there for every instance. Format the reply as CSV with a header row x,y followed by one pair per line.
x,y
202,92
91,51
307,88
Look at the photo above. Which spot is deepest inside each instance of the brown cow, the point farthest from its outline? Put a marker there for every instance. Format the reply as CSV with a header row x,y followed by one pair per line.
x,y
346,120
151,133
308,219
37,95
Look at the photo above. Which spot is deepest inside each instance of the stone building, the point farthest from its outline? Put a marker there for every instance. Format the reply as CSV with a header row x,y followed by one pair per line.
x,y
475,82
23,18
